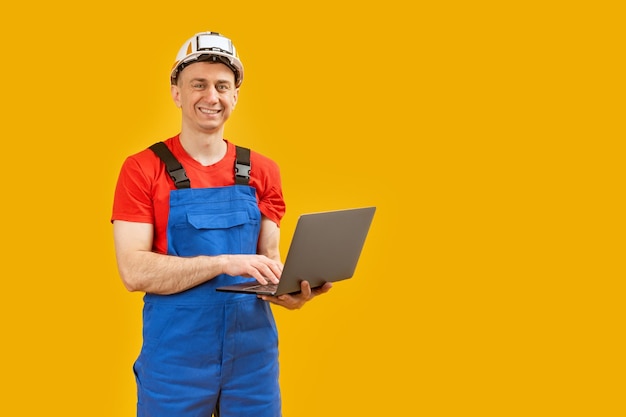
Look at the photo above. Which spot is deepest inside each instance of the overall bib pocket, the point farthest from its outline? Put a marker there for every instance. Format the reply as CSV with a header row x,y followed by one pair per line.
x,y
209,233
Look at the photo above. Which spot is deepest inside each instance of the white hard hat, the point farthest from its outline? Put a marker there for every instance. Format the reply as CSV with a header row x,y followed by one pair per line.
x,y
208,46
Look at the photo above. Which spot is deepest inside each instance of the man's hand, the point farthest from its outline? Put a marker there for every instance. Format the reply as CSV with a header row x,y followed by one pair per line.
x,y
259,267
296,301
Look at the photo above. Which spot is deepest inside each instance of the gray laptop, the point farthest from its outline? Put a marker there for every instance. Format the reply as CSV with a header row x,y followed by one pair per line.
x,y
325,247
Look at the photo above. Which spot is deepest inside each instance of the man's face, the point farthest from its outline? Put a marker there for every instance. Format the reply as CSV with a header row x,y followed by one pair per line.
x,y
206,93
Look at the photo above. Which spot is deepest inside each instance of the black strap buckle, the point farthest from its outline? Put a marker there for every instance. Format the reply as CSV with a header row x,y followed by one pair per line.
x,y
179,176
242,173
242,166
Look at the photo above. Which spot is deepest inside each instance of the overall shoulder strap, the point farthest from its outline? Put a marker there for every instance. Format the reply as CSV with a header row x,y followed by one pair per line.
x,y
179,176
242,166
174,168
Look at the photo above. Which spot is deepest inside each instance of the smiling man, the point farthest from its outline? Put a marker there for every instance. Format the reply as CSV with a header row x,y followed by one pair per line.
x,y
192,213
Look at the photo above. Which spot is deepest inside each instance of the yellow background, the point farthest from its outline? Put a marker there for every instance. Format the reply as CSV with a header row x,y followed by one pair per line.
x,y
488,134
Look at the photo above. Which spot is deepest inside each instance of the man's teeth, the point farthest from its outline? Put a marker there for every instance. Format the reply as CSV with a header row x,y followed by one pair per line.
x,y
207,111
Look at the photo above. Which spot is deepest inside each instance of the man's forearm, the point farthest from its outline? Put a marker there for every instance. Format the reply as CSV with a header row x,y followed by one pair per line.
x,y
164,274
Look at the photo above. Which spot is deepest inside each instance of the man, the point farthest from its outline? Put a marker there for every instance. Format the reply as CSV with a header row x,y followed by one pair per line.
x,y
190,214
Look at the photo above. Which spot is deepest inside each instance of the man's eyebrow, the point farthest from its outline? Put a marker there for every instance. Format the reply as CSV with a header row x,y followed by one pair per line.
x,y
204,80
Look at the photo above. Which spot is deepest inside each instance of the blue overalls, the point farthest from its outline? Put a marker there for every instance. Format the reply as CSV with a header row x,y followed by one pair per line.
x,y
202,349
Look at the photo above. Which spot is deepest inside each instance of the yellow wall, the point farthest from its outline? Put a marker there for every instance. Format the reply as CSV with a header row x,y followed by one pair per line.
x,y
488,134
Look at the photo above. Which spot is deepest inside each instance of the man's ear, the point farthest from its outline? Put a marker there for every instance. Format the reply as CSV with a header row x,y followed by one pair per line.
x,y
175,91
235,97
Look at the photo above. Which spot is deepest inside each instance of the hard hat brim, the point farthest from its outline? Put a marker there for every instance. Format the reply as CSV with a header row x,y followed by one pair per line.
x,y
208,46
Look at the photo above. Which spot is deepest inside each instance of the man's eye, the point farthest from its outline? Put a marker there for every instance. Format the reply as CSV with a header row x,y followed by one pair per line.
x,y
198,86
222,87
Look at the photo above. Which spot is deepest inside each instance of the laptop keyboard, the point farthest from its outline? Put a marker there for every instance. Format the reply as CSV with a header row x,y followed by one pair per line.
x,y
267,287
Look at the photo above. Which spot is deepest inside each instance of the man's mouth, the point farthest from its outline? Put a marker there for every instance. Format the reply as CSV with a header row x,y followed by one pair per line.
x,y
209,111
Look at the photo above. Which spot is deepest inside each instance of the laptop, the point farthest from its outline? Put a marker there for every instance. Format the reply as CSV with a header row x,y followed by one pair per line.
x,y
325,247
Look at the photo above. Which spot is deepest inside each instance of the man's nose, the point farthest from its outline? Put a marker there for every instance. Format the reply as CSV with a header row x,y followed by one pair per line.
x,y
212,94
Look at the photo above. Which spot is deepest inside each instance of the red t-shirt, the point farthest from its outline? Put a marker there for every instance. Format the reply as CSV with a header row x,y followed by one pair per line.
x,y
143,186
